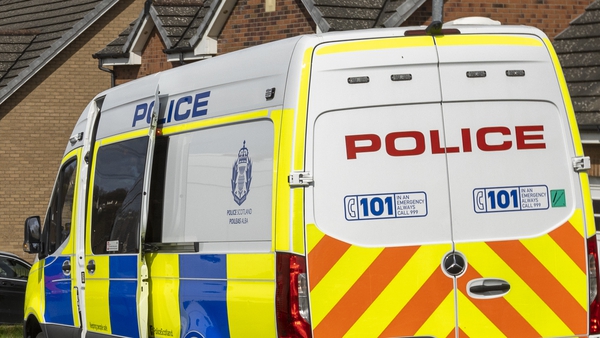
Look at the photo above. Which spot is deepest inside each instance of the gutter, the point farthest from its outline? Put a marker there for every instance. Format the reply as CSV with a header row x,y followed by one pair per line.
x,y
108,70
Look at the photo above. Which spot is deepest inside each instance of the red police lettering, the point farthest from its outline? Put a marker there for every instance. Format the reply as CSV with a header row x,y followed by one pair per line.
x,y
527,141
496,138
352,148
390,143
482,141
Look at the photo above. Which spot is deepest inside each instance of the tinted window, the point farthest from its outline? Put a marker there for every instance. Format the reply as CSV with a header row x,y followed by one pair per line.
x,y
11,268
117,197
57,224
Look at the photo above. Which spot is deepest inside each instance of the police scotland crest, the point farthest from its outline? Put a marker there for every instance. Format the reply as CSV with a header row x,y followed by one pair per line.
x,y
241,176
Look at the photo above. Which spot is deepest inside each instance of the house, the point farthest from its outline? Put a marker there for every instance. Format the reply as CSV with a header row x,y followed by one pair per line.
x,y
55,55
169,33
47,77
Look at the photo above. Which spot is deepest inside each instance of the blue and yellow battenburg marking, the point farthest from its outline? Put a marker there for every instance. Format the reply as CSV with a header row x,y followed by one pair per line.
x,y
219,295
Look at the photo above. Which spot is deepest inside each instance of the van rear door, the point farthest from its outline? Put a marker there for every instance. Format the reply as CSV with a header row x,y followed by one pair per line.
x,y
444,200
381,223
517,210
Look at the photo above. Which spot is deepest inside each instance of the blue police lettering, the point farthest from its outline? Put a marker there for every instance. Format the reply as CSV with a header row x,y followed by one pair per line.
x,y
186,107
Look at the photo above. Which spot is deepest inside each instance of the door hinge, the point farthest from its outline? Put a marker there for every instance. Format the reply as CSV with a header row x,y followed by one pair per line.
x,y
300,179
582,163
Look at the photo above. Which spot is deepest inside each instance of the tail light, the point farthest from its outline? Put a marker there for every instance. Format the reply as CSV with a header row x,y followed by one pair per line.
x,y
592,245
293,317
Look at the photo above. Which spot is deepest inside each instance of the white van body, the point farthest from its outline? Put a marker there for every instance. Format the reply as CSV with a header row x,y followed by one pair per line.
x,y
377,183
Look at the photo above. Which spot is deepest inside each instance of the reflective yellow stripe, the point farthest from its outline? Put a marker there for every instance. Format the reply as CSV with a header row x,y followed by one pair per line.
x,y
534,310
298,222
251,294
473,322
399,292
164,292
375,44
584,180
560,265
340,279
566,98
477,39
214,122
284,167
300,123
122,137
70,155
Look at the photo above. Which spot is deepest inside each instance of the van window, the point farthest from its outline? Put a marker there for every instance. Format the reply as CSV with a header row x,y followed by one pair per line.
x,y
117,196
57,224
216,187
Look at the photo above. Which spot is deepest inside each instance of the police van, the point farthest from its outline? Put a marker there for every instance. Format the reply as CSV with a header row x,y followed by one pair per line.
x,y
405,182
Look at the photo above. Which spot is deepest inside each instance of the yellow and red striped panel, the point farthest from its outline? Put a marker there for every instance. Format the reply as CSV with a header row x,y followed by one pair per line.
x,y
367,292
402,291
548,279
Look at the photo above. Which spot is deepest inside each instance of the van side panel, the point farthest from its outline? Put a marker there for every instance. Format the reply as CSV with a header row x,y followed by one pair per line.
x,y
223,295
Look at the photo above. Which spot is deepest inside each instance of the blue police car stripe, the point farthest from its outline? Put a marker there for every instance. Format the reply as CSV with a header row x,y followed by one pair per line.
x,y
203,295
122,295
57,288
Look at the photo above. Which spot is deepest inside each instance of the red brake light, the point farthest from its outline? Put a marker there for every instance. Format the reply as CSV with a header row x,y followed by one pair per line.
x,y
592,245
291,297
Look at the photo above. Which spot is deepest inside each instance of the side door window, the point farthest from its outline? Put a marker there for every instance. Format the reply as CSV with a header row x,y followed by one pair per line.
x,y
117,198
57,224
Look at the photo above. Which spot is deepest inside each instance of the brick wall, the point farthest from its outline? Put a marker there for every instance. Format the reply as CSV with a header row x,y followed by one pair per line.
x,y
37,120
250,25
551,16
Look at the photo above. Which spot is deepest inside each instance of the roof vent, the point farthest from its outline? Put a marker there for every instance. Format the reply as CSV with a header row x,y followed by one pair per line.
x,y
474,20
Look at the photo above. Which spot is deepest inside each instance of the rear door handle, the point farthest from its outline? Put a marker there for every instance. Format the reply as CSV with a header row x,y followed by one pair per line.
x,y
487,288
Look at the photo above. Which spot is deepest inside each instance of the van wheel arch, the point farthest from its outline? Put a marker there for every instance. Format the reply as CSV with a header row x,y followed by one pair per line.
x,y
33,328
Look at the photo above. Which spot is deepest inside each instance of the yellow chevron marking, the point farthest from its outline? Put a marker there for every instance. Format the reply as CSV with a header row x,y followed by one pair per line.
x,y
313,237
473,322
521,297
400,291
340,279
442,320
577,221
560,265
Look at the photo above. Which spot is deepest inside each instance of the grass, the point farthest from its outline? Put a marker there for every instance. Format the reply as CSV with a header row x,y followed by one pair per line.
x,y
11,331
